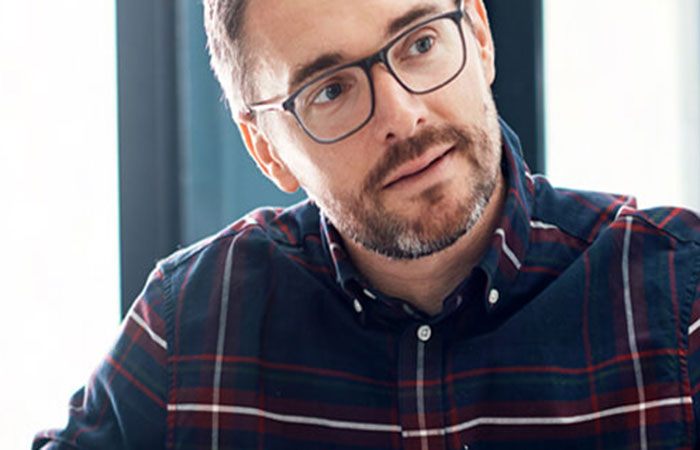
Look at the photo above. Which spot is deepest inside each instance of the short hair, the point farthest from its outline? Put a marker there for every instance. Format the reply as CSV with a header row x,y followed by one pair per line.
x,y
223,23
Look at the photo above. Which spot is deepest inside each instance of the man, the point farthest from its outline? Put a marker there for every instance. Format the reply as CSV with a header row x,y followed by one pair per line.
x,y
431,294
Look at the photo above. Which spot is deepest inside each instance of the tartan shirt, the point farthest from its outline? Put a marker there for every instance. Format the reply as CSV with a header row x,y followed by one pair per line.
x,y
576,330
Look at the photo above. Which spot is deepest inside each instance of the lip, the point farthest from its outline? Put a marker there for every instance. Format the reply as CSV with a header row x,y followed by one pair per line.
x,y
416,167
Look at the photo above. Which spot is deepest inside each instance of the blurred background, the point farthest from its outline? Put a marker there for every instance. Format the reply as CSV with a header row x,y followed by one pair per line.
x,y
116,149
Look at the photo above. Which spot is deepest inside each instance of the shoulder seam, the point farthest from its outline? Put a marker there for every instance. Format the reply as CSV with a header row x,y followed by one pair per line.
x,y
639,216
172,263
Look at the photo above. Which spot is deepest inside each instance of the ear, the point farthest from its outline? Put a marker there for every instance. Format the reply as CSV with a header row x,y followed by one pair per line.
x,y
265,155
482,33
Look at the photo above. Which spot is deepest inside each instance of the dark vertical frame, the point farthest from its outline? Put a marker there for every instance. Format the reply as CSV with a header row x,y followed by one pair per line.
x,y
148,163
517,31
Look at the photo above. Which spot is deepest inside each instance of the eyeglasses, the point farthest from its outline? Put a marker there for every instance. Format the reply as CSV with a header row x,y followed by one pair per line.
x,y
338,103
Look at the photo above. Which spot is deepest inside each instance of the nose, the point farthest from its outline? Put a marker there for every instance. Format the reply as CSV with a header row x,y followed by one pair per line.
x,y
398,113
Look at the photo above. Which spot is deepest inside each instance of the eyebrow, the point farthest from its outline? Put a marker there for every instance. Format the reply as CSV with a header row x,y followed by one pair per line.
x,y
408,18
319,64
328,60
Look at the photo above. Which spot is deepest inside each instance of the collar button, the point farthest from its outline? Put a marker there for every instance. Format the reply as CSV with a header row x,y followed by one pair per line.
x,y
494,295
357,305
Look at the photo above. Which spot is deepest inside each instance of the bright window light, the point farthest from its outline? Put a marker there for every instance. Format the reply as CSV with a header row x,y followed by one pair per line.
x,y
622,101
59,194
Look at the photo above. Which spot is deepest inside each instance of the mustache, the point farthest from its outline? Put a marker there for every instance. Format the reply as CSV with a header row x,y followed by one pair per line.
x,y
414,147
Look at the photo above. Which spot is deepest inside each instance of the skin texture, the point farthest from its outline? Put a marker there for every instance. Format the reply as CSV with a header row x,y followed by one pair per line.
x,y
416,238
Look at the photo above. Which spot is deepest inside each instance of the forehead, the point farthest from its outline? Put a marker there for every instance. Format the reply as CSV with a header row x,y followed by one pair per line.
x,y
282,36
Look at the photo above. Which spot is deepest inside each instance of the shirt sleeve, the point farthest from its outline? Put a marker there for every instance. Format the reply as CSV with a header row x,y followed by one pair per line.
x,y
694,358
124,404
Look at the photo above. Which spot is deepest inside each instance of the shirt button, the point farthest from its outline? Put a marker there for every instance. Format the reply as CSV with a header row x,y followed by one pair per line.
x,y
493,297
424,333
369,294
357,305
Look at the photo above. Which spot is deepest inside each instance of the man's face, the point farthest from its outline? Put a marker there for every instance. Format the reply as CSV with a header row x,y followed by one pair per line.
x,y
418,175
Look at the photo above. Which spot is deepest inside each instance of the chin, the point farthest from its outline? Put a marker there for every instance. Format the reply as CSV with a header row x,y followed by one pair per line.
x,y
429,230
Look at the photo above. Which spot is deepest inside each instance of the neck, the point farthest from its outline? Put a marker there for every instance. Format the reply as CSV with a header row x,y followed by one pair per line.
x,y
425,282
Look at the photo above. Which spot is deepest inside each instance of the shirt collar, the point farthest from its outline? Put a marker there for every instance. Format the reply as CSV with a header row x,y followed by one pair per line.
x,y
510,240
343,268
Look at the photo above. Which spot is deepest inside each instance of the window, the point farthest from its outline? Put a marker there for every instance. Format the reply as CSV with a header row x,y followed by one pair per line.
x,y
59,197
622,102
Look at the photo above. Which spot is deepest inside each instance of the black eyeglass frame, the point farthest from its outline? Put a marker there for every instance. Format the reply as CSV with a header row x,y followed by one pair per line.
x,y
366,64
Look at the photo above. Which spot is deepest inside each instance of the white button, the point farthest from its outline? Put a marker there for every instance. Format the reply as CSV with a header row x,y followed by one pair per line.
x,y
369,294
424,333
493,296
357,305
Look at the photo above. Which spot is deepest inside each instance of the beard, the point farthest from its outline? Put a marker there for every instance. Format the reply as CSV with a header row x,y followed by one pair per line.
x,y
365,219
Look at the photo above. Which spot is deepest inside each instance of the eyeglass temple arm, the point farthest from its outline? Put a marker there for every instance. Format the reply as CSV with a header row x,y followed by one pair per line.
x,y
259,107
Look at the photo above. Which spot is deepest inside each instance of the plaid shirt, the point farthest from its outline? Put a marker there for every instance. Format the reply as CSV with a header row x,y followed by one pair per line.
x,y
576,330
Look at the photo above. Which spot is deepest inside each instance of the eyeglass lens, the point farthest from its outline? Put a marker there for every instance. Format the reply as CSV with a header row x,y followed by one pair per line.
x,y
423,59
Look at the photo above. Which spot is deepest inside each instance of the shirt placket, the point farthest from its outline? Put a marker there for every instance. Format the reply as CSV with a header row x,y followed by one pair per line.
x,y
421,409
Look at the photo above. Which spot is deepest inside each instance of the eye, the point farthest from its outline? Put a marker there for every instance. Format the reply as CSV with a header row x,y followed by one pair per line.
x,y
329,93
333,89
421,45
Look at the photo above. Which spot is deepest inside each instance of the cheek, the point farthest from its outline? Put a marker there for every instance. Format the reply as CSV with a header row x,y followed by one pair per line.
x,y
469,97
322,170
341,175
461,102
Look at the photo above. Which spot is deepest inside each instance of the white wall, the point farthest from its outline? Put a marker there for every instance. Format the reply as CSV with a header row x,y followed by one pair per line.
x,y
58,202
622,101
